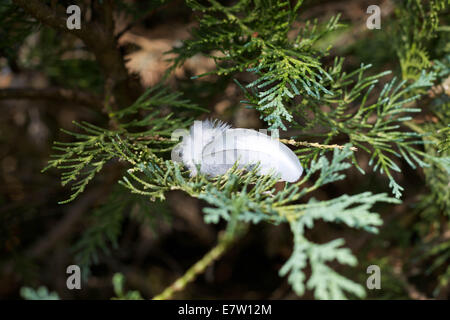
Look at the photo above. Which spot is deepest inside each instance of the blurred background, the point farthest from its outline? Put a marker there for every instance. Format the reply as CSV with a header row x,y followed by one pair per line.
x,y
157,242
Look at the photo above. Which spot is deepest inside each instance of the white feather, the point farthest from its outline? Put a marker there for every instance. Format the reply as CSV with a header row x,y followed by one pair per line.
x,y
215,148
200,134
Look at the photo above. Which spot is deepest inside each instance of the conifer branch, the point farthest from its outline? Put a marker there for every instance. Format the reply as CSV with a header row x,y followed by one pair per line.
x,y
290,85
226,240
292,142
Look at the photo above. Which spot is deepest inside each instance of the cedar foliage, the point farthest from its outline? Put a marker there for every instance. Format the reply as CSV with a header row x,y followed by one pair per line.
x,y
287,70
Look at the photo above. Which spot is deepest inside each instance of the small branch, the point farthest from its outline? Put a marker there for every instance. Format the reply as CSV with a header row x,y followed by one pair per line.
x,y
314,144
231,16
418,129
139,20
56,94
226,239
153,138
291,142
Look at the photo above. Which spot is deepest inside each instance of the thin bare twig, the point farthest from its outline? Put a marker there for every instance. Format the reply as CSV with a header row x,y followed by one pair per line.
x,y
226,239
292,142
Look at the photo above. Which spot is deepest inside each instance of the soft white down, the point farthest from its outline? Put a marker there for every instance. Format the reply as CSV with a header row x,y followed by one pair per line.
x,y
214,147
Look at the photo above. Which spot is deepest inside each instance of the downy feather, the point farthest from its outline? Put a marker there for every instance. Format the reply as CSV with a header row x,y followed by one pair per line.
x,y
215,148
